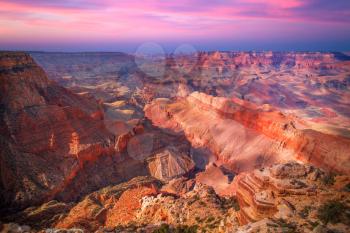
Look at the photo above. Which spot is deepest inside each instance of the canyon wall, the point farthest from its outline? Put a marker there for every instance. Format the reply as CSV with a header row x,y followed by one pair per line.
x,y
49,138
243,134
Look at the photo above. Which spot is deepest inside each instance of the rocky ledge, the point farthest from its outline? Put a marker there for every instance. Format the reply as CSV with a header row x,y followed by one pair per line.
x,y
290,193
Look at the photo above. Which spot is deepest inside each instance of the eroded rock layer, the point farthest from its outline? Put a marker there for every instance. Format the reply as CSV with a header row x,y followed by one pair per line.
x,y
280,198
59,145
169,164
216,122
247,136
286,192
47,133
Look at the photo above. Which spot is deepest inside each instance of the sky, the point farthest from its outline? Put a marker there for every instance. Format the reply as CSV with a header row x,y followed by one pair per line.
x,y
124,25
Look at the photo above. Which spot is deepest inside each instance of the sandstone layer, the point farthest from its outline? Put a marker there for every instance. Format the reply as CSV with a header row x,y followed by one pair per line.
x,y
290,192
245,136
49,137
169,164
215,123
284,197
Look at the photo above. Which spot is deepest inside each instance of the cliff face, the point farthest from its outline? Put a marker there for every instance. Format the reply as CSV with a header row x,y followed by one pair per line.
x,y
55,144
246,136
312,85
297,60
326,151
47,133
232,143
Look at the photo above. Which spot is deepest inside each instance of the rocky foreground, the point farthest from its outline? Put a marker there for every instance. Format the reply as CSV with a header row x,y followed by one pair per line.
x,y
287,197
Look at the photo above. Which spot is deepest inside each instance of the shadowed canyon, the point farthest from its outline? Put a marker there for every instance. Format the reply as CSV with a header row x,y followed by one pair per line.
x,y
200,142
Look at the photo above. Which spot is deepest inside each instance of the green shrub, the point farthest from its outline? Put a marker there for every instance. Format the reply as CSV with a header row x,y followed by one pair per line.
x,y
210,219
193,199
186,229
211,226
312,224
230,202
202,203
132,226
333,212
164,228
329,179
198,219
287,226
347,188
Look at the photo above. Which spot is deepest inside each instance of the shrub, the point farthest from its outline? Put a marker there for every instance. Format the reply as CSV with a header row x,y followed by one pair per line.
x,y
202,203
230,202
211,226
132,226
164,228
287,227
186,229
198,219
210,219
312,224
334,212
347,188
329,179
193,199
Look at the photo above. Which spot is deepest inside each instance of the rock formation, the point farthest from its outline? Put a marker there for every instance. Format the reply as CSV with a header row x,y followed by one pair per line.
x,y
169,164
290,192
215,177
47,134
54,143
235,142
178,186
138,202
201,207
262,135
279,198
111,206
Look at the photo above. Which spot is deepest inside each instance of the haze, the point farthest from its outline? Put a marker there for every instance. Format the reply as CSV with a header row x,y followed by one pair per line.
x,y
95,25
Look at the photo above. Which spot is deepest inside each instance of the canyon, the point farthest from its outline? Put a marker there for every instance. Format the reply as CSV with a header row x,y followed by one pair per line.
x,y
220,142
272,136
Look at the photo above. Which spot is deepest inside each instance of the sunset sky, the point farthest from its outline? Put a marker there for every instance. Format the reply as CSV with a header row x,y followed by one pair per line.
x,y
106,25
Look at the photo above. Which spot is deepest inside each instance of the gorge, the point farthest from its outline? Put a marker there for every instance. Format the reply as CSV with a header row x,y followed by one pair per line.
x,y
226,142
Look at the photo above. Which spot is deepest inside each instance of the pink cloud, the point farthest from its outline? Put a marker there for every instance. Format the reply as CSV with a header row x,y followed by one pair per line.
x,y
155,19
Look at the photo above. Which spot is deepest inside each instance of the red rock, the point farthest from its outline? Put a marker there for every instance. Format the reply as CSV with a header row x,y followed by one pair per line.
x,y
111,206
213,176
125,209
169,164
268,136
178,186
276,191
47,133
